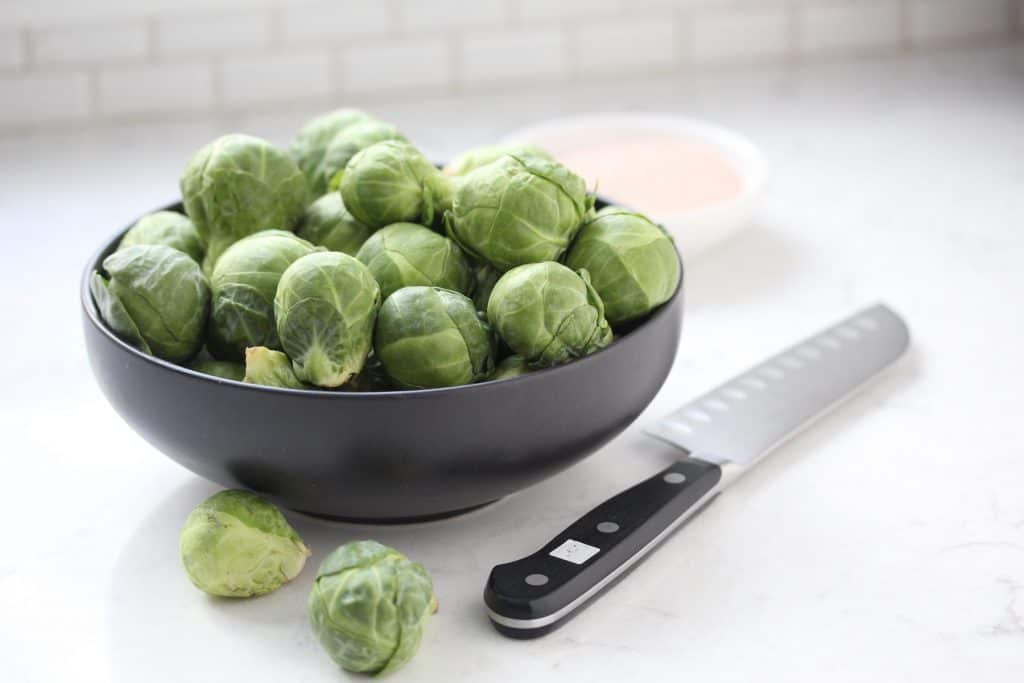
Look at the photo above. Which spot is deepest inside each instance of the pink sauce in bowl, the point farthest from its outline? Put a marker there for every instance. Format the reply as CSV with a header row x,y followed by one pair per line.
x,y
654,172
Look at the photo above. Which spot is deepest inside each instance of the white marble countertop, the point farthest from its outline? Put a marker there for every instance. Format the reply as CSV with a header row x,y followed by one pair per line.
x,y
885,544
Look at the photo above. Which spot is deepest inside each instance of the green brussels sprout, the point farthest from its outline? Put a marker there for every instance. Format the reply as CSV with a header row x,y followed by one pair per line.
x,y
406,254
169,228
473,159
369,606
631,260
392,182
485,277
329,224
236,545
325,306
239,185
518,210
432,337
219,368
156,299
242,288
513,366
548,314
311,143
346,144
269,368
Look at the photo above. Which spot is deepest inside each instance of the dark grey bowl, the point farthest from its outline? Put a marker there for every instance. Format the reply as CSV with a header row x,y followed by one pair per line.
x,y
387,456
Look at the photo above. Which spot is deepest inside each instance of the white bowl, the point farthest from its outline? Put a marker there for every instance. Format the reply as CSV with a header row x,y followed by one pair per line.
x,y
695,231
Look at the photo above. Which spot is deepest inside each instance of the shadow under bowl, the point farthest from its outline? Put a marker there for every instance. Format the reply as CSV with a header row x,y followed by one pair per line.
x,y
392,456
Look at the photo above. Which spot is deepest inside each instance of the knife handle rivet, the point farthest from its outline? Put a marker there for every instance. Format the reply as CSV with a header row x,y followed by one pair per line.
x,y
536,579
607,527
674,478
810,352
866,324
829,342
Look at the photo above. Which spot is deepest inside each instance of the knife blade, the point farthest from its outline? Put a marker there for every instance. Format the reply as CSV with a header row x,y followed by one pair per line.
x,y
719,435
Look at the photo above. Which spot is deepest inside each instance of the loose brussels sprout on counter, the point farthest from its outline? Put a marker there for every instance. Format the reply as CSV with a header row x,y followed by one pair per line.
x,y
473,159
346,144
269,368
311,143
325,308
406,254
243,286
513,366
219,368
431,337
156,299
392,182
369,606
631,260
518,210
237,545
169,228
548,314
329,224
239,185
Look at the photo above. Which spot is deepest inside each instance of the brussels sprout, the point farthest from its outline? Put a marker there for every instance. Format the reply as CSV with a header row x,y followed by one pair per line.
x,y
631,261
269,368
513,366
325,306
369,606
346,144
484,277
311,143
548,314
392,182
239,185
518,210
329,224
235,544
169,228
405,254
156,299
432,337
243,286
473,159
220,368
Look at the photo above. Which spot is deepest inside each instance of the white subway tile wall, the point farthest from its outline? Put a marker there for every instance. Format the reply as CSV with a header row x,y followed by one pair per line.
x,y
395,64
541,55
756,35
12,50
155,88
945,21
614,46
292,76
125,42
106,61
213,34
866,27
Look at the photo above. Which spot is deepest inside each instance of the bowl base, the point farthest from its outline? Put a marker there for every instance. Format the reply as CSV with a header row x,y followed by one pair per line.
x,y
378,521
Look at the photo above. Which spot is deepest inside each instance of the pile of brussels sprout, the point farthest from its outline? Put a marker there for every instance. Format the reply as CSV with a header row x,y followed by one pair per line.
x,y
351,262
369,603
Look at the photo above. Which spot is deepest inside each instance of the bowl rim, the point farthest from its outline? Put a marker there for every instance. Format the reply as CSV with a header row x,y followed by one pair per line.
x,y
92,313
745,156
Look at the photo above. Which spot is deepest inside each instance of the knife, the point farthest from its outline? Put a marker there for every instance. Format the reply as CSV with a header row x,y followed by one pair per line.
x,y
719,436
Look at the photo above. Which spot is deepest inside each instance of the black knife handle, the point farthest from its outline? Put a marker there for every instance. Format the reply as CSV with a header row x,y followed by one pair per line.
x,y
532,596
